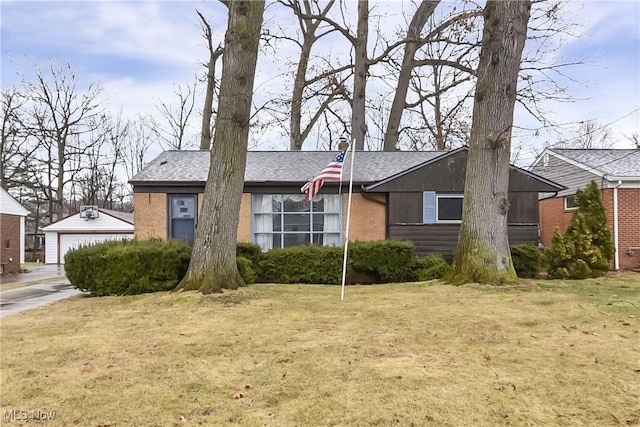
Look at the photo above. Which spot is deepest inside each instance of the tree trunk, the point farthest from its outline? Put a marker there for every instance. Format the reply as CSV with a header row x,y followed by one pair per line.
x,y
483,253
358,106
425,10
207,111
213,260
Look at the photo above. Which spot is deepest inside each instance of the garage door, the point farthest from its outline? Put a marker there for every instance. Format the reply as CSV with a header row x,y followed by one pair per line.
x,y
73,241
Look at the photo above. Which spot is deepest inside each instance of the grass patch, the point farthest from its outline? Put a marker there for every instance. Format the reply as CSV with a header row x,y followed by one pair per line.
x,y
423,354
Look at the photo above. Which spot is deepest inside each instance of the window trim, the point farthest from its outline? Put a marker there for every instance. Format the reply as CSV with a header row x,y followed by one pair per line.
x,y
282,213
565,204
447,196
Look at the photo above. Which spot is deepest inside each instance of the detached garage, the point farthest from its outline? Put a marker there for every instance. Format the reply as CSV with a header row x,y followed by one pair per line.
x,y
90,225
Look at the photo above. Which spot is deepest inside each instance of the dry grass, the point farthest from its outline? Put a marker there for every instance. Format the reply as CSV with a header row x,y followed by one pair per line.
x,y
552,353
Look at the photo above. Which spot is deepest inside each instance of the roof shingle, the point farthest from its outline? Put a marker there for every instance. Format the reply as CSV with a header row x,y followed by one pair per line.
x,y
281,166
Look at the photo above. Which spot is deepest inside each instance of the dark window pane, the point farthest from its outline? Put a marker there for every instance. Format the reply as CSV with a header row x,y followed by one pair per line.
x,y
296,222
450,208
295,203
277,222
318,222
277,240
318,205
295,239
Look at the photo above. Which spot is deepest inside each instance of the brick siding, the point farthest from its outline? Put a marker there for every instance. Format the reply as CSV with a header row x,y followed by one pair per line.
x,y
368,217
10,243
150,215
629,227
553,216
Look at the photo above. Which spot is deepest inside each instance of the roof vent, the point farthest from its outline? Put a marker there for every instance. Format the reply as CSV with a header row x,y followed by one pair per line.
x,y
89,212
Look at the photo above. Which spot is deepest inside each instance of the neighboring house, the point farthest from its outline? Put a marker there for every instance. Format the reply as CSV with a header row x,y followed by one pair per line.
x,y
90,225
12,226
415,196
617,172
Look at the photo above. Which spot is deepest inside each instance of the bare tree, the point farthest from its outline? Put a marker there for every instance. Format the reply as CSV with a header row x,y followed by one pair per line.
x,y
61,113
210,91
14,148
425,10
483,253
213,260
588,135
176,118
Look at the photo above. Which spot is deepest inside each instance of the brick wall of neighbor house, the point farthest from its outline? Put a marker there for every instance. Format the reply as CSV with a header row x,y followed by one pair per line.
x,y
629,227
368,217
553,216
150,215
10,243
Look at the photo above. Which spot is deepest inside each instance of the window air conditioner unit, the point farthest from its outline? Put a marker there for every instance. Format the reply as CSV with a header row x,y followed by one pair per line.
x,y
89,212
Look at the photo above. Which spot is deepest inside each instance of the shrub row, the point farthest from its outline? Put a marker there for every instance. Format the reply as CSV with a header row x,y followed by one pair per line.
x,y
133,266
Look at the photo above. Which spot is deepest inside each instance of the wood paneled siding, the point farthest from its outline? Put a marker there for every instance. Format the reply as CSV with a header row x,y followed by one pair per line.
x,y
406,208
443,238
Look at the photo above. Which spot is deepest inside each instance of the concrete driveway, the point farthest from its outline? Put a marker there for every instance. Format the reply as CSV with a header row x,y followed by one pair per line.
x,y
55,288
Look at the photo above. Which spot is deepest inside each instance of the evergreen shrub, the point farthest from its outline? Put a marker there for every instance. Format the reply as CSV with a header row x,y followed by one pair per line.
x,y
128,267
386,261
431,267
527,260
586,247
368,262
302,264
246,270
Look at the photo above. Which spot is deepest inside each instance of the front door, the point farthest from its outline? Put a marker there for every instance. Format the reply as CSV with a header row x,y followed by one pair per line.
x,y
183,218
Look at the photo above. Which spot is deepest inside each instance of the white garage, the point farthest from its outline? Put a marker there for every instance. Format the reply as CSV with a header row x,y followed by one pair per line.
x,y
90,225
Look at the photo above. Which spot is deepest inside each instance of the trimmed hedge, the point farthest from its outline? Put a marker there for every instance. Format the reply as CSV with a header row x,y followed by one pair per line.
x,y
302,264
527,260
431,267
127,267
369,262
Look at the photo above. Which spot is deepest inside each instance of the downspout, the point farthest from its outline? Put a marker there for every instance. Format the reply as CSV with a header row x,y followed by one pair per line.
x,y
616,255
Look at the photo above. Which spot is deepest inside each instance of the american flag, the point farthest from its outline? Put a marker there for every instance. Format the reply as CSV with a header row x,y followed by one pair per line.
x,y
333,172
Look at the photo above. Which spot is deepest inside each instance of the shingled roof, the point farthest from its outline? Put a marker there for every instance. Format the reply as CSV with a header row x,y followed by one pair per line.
x,y
617,163
177,167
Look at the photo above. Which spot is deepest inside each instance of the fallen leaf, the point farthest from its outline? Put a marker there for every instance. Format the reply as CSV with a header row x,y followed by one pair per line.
x,y
247,387
625,323
207,411
633,421
283,360
86,367
238,395
614,418
487,358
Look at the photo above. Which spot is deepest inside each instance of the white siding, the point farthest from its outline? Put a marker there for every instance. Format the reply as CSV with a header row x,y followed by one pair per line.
x,y
104,222
51,247
10,206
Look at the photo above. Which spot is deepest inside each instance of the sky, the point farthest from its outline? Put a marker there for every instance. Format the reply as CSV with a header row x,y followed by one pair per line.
x,y
139,49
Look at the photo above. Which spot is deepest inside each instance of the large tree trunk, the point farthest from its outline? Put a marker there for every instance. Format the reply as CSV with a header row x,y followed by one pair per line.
x,y
358,106
425,10
213,260
483,253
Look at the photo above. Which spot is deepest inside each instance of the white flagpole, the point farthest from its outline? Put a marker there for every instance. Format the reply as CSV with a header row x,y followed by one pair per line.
x,y
346,233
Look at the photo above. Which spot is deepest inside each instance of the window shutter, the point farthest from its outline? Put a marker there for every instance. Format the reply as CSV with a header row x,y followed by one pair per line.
x,y
429,207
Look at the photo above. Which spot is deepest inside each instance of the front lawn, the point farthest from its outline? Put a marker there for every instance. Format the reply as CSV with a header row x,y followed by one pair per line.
x,y
421,354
